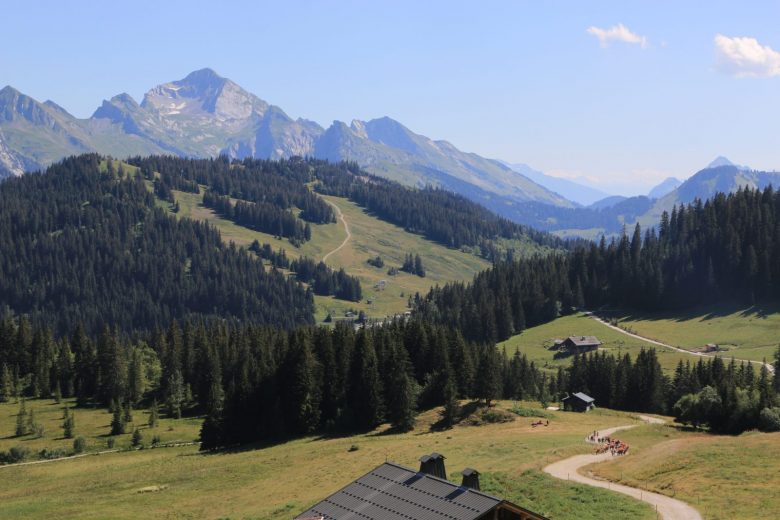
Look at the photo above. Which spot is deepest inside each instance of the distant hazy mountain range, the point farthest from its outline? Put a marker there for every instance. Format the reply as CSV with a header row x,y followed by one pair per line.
x,y
574,191
206,115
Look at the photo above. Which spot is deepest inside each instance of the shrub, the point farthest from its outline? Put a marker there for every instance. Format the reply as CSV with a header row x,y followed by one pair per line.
x,y
769,419
15,454
530,412
80,444
354,447
156,440
110,443
48,454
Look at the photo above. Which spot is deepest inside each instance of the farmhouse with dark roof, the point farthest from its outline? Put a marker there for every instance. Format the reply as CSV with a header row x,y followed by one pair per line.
x,y
393,492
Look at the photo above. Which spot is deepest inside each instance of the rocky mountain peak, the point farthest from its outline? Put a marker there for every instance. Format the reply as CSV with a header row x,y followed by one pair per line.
x,y
201,93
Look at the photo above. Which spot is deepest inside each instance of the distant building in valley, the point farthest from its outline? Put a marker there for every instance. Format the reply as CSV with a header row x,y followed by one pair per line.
x,y
579,344
578,402
393,492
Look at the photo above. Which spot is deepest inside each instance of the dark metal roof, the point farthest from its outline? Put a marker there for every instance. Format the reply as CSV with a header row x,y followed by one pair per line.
x,y
584,341
582,397
393,492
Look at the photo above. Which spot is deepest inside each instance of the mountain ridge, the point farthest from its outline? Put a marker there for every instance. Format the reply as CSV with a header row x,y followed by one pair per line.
x,y
206,115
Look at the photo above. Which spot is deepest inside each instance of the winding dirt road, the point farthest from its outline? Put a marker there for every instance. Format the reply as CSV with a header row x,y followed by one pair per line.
x,y
346,228
769,366
668,508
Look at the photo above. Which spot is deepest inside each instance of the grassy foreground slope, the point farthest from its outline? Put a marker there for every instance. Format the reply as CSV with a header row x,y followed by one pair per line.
x,y
723,476
371,237
745,332
276,482
535,342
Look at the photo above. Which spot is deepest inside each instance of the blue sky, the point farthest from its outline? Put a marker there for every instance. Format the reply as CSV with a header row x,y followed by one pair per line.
x,y
557,85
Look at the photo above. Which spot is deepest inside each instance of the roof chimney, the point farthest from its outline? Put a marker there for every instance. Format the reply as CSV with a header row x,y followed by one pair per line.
x,y
470,479
433,465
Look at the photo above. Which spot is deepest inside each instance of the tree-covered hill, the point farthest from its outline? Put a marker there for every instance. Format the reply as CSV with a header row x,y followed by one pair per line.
x,y
727,248
82,243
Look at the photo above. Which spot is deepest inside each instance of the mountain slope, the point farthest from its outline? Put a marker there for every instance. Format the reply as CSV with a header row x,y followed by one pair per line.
x,y
205,115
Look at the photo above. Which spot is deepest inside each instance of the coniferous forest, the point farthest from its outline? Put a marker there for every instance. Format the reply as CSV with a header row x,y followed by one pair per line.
x,y
95,281
81,245
724,249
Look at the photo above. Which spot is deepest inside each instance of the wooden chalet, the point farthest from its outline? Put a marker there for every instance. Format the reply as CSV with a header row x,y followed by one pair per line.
x,y
394,492
579,344
578,402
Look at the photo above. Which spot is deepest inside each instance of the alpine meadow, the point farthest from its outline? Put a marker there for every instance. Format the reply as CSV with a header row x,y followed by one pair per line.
x,y
215,308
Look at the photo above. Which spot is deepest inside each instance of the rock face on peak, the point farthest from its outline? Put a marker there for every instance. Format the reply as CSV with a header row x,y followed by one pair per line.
x,y
203,93
205,114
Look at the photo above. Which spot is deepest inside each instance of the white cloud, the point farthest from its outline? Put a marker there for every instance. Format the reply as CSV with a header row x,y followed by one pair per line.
x,y
619,33
745,57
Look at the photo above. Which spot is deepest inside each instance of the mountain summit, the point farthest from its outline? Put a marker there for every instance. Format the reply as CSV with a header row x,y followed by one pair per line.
x,y
205,115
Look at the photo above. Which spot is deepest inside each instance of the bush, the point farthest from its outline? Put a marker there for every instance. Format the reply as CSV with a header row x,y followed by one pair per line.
x,y
354,447
110,443
14,455
156,440
530,412
80,444
769,419
49,454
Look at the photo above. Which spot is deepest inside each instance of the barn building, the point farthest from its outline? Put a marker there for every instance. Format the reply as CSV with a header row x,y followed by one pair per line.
x,y
579,344
578,402
394,492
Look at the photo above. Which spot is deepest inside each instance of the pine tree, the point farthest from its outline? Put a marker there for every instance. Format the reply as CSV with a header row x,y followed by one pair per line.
x,y
175,398
31,423
365,393
117,422
127,414
154,415
6,384
21,420
69,424
402,397
136,377
451,409
137,438
57,393
304,391
489,374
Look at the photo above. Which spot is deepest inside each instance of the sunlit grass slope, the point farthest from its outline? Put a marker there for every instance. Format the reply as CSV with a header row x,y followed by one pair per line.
x,y
277,482
535,342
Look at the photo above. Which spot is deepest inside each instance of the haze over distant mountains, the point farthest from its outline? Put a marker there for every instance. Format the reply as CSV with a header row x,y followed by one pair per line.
x,y
205,115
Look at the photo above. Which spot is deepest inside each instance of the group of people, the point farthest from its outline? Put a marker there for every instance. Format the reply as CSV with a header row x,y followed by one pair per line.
x,y
608,444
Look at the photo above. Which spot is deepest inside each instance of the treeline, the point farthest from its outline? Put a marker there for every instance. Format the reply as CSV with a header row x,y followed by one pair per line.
x,y
727,248
262,217
439,215
79,244
325,281
280,184
725,396
277,259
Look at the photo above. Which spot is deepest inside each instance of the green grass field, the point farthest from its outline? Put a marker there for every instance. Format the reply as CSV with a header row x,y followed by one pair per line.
x,y
277,482
535,342
723,476
94,424
745,332
371,237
